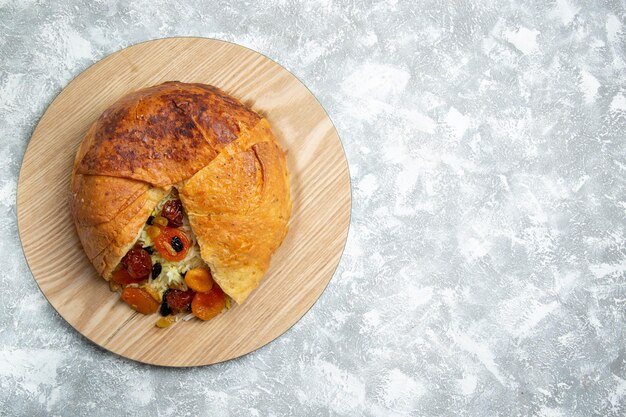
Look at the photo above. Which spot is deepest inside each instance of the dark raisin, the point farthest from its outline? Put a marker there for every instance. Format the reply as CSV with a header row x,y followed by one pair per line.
x,y
149,249
137,262
165,309
173,212
179,300
177,244
156,270
150,219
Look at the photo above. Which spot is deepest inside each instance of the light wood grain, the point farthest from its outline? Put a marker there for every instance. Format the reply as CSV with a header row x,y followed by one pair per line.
x,y
302,266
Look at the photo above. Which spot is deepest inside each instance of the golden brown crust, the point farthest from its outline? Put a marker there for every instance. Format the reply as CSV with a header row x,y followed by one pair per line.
x,y
99,198
239,207
223,158
118,236
108,213
164,134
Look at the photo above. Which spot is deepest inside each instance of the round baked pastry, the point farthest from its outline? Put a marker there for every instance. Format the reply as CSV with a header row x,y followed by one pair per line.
x,y
180,196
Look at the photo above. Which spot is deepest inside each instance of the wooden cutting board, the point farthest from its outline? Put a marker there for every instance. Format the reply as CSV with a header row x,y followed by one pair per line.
x,y
300,269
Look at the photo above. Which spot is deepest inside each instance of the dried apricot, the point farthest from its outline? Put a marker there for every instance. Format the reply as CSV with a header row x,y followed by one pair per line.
x,y
207,305
199,279
163,244
140,300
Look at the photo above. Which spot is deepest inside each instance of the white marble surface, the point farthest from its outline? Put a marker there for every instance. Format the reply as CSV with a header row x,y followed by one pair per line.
x,y
485,270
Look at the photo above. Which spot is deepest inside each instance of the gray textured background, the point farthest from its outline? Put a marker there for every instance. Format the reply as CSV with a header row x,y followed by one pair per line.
x,y
485,269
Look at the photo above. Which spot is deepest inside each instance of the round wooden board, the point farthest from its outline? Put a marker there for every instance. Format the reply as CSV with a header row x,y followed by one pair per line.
x,y
301,268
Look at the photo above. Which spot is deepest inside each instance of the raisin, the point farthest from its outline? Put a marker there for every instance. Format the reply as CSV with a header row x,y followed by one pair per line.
x,y
179,300
165,309
156,270
150,219
173,212
149,249
177,244
137,262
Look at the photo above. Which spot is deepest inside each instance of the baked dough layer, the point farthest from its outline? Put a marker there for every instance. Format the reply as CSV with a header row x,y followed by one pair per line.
x,y
222,157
